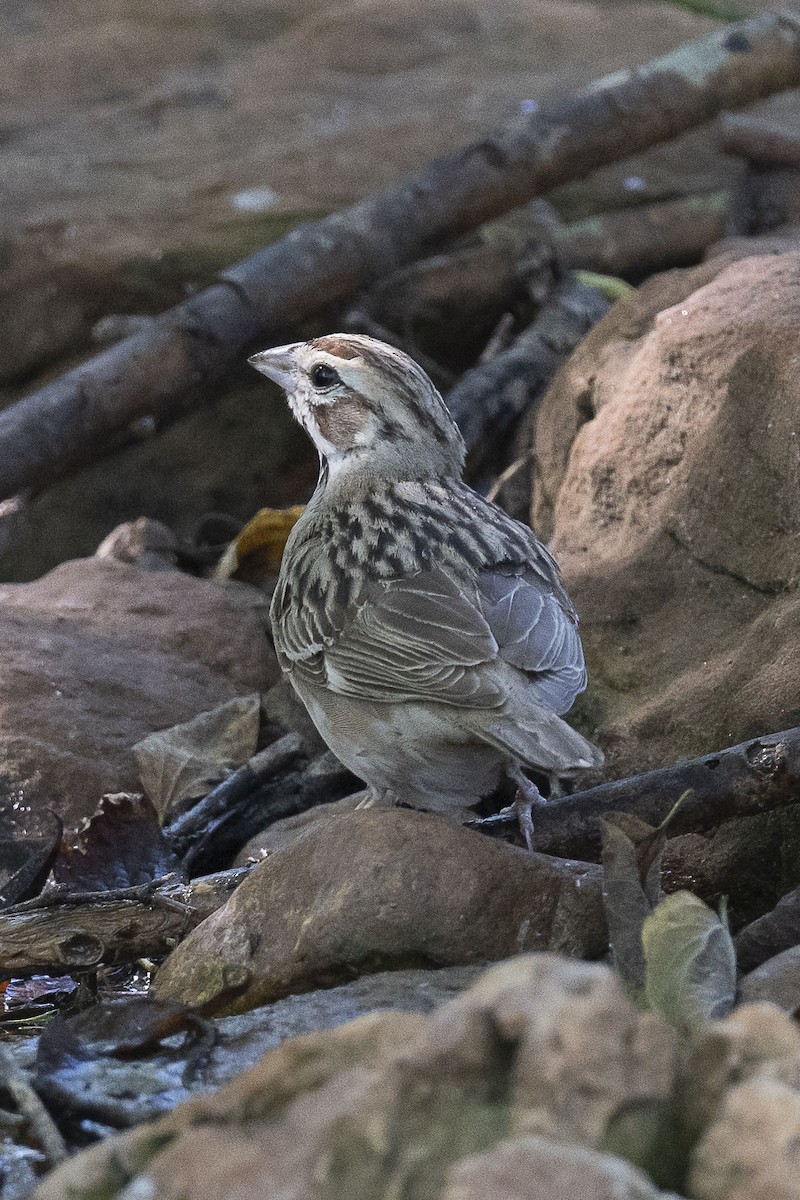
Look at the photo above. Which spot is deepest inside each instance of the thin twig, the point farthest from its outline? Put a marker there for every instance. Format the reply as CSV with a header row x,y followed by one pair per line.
x,y
42,1126
487,400
513,469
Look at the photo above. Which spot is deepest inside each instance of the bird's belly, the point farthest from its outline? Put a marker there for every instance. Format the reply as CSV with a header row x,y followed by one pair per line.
x,y
419,751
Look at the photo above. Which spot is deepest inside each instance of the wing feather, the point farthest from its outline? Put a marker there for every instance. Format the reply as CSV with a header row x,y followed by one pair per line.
x,y
434,634
410,639
535,633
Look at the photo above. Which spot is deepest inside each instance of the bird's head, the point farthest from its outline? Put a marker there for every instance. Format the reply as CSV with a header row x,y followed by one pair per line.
x,y
369,409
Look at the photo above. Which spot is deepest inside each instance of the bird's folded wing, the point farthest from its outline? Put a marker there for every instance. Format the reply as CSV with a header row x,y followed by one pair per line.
x,y
428,638
536,633
422,638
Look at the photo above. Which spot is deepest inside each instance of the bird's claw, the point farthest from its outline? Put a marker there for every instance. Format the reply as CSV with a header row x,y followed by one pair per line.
x,y
527,796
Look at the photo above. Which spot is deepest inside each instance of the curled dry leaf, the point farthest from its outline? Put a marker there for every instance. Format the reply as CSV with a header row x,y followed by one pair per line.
x,y
21,996
120,846
186,761
631,855
690,962
631,889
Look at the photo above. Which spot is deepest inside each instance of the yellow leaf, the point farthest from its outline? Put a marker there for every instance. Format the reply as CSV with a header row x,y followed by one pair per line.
x,y
607,285
258,549
690,961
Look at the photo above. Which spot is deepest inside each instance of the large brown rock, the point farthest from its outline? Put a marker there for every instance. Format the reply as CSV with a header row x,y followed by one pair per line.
x,y
669,478
390,889
98,654
396,1104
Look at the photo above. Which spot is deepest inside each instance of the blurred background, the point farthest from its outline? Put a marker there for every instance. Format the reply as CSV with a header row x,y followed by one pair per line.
x,y
145,144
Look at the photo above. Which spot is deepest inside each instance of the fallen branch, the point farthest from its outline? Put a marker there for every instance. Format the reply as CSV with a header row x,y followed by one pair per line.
x,y
489,398
278,782
189,833
749,778
58,933
649,237
325,263
511,265
450,303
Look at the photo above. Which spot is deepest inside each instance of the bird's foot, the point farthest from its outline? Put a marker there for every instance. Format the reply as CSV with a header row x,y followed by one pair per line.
x,y
527,796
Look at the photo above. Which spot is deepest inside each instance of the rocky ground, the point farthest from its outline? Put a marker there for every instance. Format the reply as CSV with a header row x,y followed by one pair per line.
x,y
541,1080
296,994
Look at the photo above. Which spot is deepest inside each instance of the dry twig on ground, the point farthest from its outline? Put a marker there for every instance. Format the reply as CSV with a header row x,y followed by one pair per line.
x,y
40,1125
489,398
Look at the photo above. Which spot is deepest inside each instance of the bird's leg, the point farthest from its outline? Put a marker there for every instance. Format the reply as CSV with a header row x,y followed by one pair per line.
x,y
375,797
527,796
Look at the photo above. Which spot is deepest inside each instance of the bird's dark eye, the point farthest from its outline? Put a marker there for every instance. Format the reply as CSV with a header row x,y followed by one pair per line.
x,y
323,376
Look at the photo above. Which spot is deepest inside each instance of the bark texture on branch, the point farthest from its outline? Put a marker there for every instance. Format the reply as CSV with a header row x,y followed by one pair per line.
x,y
326,262
760,140
649,237
749,778
78,932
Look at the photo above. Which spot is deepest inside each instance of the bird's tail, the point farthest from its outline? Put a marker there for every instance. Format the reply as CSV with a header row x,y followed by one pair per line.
x,y
540,740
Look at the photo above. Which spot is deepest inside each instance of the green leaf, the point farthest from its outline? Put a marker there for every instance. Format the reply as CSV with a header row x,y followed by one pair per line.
x,y
690,961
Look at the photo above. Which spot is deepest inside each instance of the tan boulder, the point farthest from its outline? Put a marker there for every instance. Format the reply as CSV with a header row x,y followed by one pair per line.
x,y
752,1151
669,478
588,1066
98,654
390,889
756,1041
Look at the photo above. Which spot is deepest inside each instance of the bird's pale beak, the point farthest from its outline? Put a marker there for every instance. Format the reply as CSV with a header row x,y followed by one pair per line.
x,y
278,364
